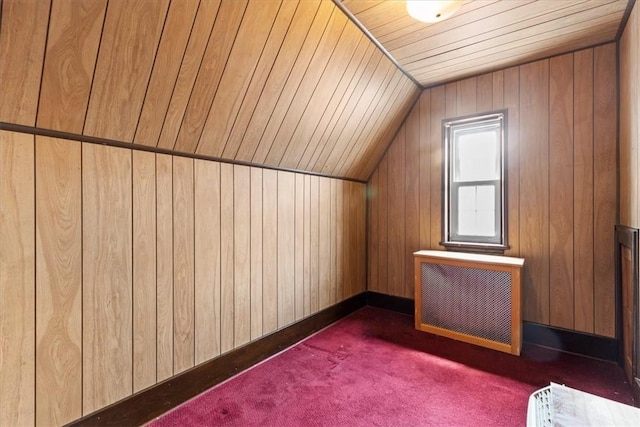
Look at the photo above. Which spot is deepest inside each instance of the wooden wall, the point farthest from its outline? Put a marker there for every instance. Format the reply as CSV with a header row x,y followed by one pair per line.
x,y
121,268
561,175
630,122
293,84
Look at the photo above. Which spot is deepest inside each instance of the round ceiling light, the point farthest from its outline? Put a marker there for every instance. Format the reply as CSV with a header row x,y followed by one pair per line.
x,y
432,10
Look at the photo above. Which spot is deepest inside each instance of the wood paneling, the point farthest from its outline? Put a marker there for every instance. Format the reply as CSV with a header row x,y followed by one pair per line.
x,y
106,276
127,50
59,277
148,264
72,46
559,219
144,269
285,83
561,191
17,285
485,35
22,38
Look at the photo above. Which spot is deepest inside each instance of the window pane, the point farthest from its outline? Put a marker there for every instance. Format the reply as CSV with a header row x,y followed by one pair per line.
x,y
476,155
476,211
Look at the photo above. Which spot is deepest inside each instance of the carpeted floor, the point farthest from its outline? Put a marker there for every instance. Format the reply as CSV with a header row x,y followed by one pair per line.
x,y
374,369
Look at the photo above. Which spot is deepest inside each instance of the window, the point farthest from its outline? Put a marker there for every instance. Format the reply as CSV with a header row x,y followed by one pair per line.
x,y
474,190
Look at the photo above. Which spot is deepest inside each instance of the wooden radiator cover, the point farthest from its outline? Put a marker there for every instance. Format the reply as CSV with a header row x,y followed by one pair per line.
x,y
474,298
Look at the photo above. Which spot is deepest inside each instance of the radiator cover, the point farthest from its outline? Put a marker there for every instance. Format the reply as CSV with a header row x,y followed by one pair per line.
x,y
470,297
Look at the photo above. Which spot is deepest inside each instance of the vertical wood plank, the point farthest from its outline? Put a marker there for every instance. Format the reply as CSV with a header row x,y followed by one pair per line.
x,y
511,90
256,253
342,230
349,228
122,73
307,245
207,260
397,254
583,190
412,197
242,255
324,243
373,205
59,279
270,250
605,199
144,269
314,243
484,93
286,240
227,306
451,100
175,35
72,47
534,185
466,96
164,265
183,265
299,247
561,234
333,246
383,209
437,115
106,276
17,279
360,284
424,147
23,35
498,89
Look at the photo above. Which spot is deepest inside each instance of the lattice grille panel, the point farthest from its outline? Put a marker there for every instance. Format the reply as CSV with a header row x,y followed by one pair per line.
x,y
467,300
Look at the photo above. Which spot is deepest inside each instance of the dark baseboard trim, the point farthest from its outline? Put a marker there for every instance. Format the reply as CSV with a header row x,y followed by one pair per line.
x,y
392,303
153,402
595,346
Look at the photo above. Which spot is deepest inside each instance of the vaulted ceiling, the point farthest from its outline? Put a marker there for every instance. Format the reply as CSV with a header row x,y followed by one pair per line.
x,y
283,83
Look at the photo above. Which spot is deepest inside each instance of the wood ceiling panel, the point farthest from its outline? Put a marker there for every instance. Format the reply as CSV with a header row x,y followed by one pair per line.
x,y
127,51
22,39
166,67
72,46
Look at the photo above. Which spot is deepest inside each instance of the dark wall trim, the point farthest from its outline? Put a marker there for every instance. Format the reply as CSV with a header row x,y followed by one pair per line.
x,y
392,303
564,340
121,144
625,19
154,401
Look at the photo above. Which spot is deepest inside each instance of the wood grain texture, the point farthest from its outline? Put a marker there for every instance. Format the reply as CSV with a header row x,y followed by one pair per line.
x,y
207,260
228,20
127,51
333,243
307,246
227,268
269,251
72,46
605,200
324,243
59,278
193,57
373,232
164,266
438,112
106,276
314,243
166,67
511,96
241,255
424,121
144,269
183,265
298,249
17,285
412,196
583,190
256,253
254,31
396,224
561,292
534,203
383,229
286,248
22,37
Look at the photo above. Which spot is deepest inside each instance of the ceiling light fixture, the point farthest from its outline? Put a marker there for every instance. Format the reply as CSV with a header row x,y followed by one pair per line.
x,y
432,10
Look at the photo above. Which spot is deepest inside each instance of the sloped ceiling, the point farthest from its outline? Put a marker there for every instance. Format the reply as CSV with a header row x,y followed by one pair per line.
x,y
486,35
284,83
291,84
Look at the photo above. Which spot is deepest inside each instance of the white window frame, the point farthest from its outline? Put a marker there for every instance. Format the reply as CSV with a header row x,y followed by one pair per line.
x,y
451,238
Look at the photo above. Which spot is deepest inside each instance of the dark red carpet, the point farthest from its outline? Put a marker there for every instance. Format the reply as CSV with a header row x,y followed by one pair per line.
x,y
373,368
